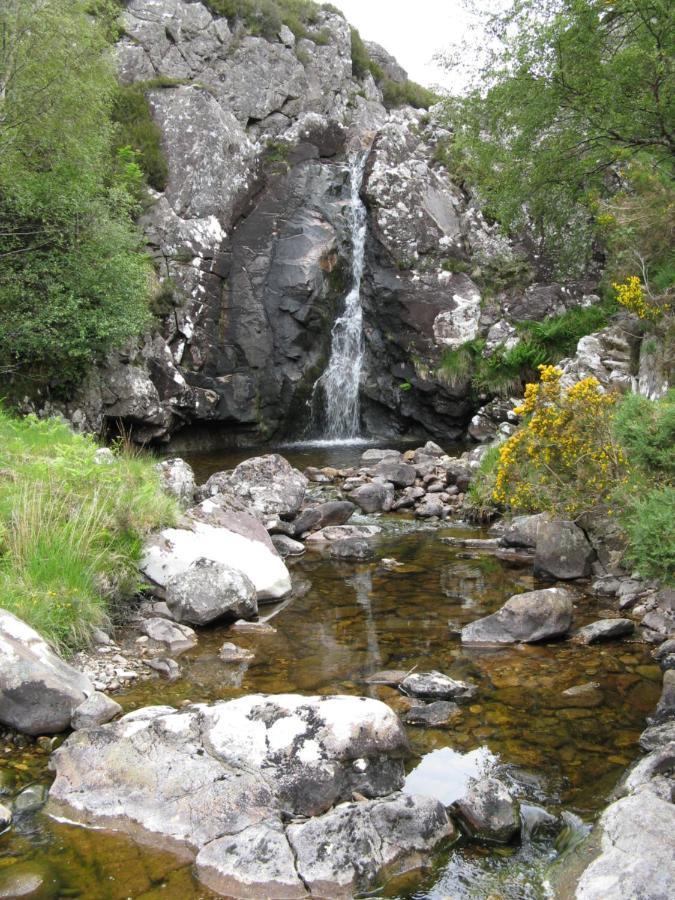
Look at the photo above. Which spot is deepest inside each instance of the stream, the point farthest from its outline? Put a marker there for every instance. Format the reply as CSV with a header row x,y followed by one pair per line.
x,y
346,621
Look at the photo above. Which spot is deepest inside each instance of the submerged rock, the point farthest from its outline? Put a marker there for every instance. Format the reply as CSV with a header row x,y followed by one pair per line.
x,y
488,812
175,638
436,686
223,781
432,715
38,690
209,590
352,548
530,617
231,653
343,532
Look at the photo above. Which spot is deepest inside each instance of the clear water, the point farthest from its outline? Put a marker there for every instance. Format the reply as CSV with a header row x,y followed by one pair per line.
x,y
340,383
344,622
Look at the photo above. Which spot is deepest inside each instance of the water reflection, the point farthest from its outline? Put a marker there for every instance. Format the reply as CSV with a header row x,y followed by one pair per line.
x,y
444,774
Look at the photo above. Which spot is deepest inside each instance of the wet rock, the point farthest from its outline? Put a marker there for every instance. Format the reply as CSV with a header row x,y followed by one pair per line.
x,y
522,531
628,593
665,708
562,550
286,546
432,715
488,812
38,690
165,666
219,773
636,858
334,512
209,590
431,507
398,473
343,532
659,623
31,799
436,686
178,479
603,630
253,627
225,537
173,636
352,548
269,485
387,676
658,736
536,821
27,879
369,456
373,497
660,761
583,696
231,653
664,649
5,817
365,838
96,710
530,617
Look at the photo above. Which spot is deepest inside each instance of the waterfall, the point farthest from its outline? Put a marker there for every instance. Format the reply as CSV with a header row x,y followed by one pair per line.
x,y
341,379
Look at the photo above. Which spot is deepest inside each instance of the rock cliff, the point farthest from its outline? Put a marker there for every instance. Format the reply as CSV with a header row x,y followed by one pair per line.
x,y
252,249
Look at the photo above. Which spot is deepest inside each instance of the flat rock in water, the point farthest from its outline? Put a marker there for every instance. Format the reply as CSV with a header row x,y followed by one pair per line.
x,y
530,617
584,696
603,630
369,456
386,676
231,653
207,591
343,532
436,686
165,666
333,512
441,712
175,637
352,548
253,627
38,690
488,812
286,546
223,780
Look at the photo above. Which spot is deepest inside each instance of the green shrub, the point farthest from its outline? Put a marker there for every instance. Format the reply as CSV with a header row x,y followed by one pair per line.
x,y
648,523
137,129
71,531
646,430
480,506
407,93
361,61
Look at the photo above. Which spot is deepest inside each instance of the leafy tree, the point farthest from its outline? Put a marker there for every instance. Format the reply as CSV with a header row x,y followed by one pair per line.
x,y
573,95
72,280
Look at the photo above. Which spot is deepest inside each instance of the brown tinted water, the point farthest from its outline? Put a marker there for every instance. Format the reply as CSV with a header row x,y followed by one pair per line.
x,y
346,621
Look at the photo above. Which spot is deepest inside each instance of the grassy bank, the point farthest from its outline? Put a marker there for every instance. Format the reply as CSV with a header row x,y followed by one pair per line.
x,y
71,531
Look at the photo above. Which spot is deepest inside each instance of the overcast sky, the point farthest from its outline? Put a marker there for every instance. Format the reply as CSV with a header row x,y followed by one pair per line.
x,y
413,30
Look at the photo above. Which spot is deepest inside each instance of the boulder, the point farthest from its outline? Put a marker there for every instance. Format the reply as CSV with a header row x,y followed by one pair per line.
x,y
488,812
527,618
223,780
342,533
172,636
269,485
522,531
436,686
430,508
98,709
286,546
373,497
209,590
665,708
352,548
334,512
562,550
233,539
177,479
231,653
432,715
165,666
398,473
604,630
636,851
369,456
38,690
657,736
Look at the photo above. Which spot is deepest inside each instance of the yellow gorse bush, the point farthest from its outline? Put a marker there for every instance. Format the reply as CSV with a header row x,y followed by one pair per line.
x,y
632,296
564,458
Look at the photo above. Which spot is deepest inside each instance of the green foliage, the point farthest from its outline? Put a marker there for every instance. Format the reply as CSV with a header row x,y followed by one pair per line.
x,y
138,130
648,523
405,386
576,89
361,61
265,17
72,280
277,151
503,273
71,531
646,430
456,266
406,93
479,506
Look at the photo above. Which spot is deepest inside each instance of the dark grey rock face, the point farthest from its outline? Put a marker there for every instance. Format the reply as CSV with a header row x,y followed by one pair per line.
x,y
665,708
562,550
399,474
334,512
522,531
39,692
432,715
530,617
488,812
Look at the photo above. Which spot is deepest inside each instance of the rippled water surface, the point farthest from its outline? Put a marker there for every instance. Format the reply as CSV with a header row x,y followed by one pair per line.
x,y
346,621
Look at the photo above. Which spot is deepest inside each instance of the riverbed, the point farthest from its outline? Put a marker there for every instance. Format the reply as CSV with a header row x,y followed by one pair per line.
x,y
345,621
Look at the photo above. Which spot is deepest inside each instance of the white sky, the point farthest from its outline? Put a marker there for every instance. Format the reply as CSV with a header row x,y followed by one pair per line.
x,y
413,31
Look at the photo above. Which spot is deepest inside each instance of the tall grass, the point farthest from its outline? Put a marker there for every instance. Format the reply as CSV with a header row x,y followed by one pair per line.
x,y
71,531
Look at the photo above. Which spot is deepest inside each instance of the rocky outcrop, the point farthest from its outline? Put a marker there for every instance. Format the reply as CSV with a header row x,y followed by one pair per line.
x,y
562,550
222,781
209,590
39,692
488,812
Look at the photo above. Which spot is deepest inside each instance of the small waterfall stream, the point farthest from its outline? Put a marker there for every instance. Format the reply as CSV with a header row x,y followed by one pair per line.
x,y
340,381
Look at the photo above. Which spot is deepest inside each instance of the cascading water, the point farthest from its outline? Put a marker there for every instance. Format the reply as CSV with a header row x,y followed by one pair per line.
x,y
340,381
